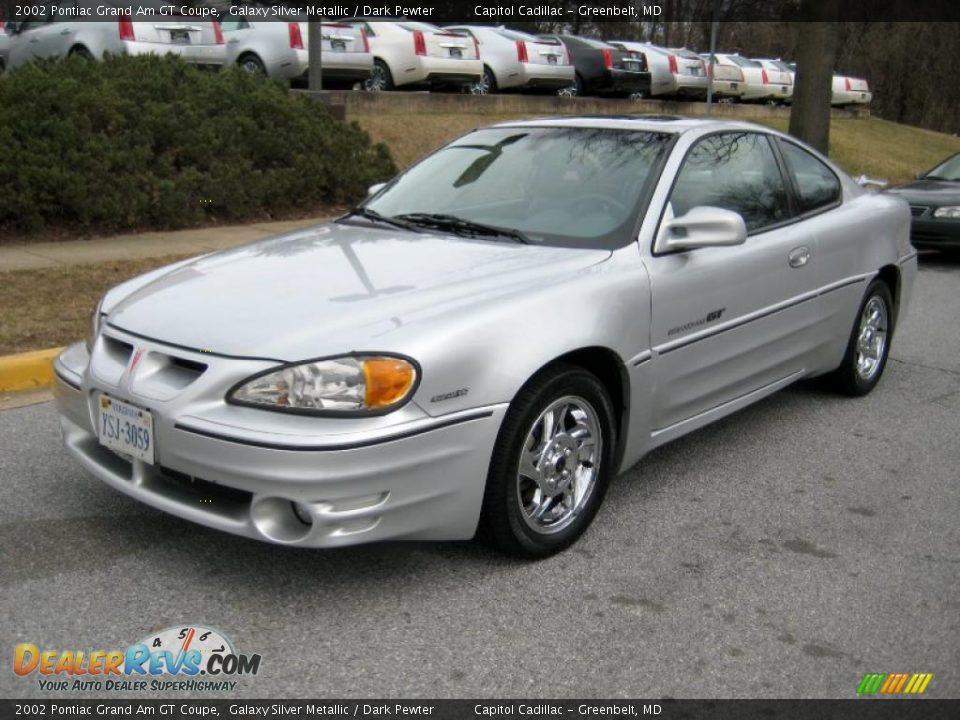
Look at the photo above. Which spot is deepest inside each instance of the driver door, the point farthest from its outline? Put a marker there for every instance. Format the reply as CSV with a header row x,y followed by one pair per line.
x,y
731,321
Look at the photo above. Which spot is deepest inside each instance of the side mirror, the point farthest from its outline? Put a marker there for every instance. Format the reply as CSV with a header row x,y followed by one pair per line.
x,y
919,176
702,226
374,189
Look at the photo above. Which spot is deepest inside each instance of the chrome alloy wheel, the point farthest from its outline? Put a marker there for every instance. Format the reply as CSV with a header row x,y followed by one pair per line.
x,y
872,338
559,464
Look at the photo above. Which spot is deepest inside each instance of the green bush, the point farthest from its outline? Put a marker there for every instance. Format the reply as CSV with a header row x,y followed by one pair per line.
x,y
150,142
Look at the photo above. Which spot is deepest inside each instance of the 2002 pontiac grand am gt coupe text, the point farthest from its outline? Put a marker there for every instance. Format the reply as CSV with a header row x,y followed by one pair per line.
x,y
491,336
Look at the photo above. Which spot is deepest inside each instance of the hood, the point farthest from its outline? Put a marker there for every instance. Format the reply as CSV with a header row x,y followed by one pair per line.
x,y
332,288
929,191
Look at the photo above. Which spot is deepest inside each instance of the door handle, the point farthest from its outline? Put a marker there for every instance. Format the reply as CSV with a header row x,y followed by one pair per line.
x,y
799,257
65,32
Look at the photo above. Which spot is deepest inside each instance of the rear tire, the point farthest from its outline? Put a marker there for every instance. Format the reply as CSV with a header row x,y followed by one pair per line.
x,y
551,464
578,85
869,345
81,52
252,64
380,78
487,84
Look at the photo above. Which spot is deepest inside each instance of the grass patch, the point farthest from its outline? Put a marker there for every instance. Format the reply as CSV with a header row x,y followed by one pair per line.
x,y
878,148
50,307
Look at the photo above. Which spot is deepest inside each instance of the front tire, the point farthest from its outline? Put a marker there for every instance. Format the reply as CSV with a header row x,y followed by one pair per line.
x,y
551,464
869,345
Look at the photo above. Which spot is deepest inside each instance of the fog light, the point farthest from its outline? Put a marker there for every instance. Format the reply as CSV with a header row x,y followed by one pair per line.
x,y
302,512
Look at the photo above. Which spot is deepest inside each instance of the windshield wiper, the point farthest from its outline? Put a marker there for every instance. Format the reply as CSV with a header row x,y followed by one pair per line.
x,y
459,225
374,216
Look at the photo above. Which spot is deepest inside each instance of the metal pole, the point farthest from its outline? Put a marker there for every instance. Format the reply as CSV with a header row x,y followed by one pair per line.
x,y
315,55
713,49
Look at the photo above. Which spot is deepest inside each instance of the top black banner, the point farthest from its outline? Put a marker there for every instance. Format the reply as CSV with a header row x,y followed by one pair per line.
x,y
570,13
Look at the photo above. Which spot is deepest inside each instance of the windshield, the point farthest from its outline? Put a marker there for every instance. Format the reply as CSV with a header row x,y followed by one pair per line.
x,y
579,187
948,170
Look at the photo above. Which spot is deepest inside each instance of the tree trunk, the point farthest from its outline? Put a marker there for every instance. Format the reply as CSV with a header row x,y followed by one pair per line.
x,y
816,55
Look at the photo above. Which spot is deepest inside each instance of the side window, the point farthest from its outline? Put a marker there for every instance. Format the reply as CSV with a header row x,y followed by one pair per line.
x,y
817,186
736,171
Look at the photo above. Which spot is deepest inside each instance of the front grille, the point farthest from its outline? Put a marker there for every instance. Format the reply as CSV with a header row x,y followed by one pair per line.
x,y
208,495
918,210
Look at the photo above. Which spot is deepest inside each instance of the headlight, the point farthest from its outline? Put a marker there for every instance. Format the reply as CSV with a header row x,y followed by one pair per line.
x,y
93,325
372,384
950,211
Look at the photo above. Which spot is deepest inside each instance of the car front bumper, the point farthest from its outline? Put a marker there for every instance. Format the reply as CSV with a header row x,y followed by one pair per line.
x,y
418,479
935,234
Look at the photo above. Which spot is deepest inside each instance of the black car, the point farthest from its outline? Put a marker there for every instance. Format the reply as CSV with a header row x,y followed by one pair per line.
x,y
934,199
602,69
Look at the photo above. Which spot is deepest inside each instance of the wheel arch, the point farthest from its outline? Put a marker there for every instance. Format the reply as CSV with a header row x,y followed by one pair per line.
x,y
890,274
608,367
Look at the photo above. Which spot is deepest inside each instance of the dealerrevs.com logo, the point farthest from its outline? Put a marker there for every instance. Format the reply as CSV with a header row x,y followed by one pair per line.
x,y
184,657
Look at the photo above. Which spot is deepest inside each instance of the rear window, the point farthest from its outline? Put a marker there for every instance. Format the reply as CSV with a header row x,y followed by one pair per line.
x,y
422,27
593,43
744,62
515,35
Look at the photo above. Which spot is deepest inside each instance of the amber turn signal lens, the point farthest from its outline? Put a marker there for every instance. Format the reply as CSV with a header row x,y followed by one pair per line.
x,y
388,380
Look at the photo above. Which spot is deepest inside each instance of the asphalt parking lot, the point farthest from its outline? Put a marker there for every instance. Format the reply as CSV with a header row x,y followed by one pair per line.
x,y
783,552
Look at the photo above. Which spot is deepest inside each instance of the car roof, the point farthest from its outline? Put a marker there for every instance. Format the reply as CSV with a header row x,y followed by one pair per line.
x,y
675,124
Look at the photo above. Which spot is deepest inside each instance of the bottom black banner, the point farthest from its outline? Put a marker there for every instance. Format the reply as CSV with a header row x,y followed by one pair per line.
x,y
862,709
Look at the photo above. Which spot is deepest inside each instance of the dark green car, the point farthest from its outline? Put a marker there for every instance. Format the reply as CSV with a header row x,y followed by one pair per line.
x,y
934,199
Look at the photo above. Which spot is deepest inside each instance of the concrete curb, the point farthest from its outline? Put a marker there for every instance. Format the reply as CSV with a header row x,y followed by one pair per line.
x,y
27,371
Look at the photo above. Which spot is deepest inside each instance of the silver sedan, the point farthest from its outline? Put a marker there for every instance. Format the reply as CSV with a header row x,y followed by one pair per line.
x,y
491,336
279,49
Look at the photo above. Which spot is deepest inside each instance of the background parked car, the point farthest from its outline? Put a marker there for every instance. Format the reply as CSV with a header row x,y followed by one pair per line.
x,y
602,69
673,73
935,206
279,50
757,87
728,79
417,53
850,91
514,60
194,40
779,75
4,45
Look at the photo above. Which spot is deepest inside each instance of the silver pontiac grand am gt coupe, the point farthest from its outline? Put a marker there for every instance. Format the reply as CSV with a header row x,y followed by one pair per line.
x,y
491,336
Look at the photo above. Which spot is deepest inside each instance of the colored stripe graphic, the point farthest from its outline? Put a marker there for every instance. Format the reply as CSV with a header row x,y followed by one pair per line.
x,y
870,683
894,683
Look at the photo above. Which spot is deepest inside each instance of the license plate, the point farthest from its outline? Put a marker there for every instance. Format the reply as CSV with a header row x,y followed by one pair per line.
x,y
455,53
551,59
338,46
126,429
180,36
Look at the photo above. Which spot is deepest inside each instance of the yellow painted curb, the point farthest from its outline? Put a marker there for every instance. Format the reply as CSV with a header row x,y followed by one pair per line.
x,y
27,371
